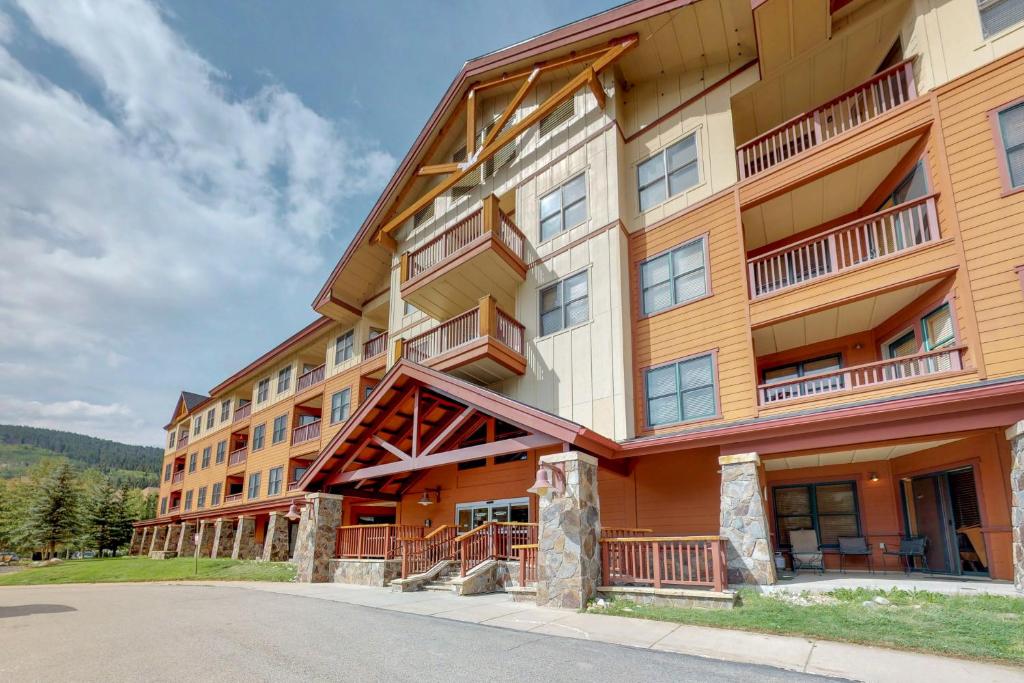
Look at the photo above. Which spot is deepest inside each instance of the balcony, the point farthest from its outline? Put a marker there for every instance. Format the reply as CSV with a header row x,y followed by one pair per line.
x,y
233,498
174,507
482,255
242,413
311,378
882,93
237,457
375,346
861,377
182,441
856,244
293,485
306,432
177,478
484,344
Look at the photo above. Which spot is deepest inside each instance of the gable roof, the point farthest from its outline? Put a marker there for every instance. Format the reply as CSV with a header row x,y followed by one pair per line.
x,y
186,403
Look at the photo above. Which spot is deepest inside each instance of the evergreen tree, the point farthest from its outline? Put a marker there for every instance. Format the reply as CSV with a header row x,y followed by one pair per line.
x,y
120,521
53,515
100,526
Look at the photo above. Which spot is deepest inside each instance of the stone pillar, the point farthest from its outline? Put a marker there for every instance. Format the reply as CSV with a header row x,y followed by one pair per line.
x,y
245,546
569,552
744,522
133,545
1015,435
275,545
143,547
205,546
318,527
223,538
171,540
186,540
159,536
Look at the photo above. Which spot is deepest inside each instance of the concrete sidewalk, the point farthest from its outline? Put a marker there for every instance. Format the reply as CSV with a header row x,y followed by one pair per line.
x,y
823,657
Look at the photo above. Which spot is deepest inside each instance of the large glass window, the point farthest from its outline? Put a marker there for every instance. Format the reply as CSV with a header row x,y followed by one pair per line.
x,y
254,485
258,433
343,347
681,391
668,172
830,509
675,277
1011,129
274,477
163,505
564,304
999,15
563,208
340,406
280,426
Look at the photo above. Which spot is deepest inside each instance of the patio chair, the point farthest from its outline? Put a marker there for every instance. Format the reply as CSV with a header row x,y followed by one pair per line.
x,y
910,547
806,550
857,546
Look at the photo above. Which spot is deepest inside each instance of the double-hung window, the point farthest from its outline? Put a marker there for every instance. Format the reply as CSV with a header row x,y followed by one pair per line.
x,y
192,462
674,277
999,15
564,304
167,472
828,508
343,347
201,498
211,415
938,331
197,424
206,457
340,406
188,500
274,477
258,433
254,485
215,495
563,208
263,390
279,428
668,172
170,440
225,410
222,449
284,379
1011,137
681,391
163,505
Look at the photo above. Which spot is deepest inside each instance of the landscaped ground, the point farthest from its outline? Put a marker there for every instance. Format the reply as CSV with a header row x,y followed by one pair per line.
x,y
109,570
987,627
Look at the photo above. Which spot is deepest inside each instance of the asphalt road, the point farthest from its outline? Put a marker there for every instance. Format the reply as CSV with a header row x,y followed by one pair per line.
x,y
167,632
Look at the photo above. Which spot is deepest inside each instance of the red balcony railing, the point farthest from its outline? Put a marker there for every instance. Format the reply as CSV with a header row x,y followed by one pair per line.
x,y
233,498
461,234
463,329
886,90
308,379
510,331
375,346
306,432
878,236
373,541
900,369
493,541
182,440
178,477
293,485
242,412
174,507
237,457
527,563
669,562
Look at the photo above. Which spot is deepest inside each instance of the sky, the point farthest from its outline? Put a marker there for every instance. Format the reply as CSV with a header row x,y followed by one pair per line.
x,y
177,179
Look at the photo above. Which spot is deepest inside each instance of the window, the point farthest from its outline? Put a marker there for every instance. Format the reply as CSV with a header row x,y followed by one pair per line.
x,y
343,347
999,15
807,368
206,457
215,495
284,379
509,457
192,462
257,436
830,509
279,429
1011,134
188,500
564,304
167,472
170,440
163,505
681,391
913,186
222,449
201,498
559,115
408,308
274,477
225,410
197,424
368,390
262,390
904,345
423,215
254,485
211,415
563,208
668,172
340,406
298,473
674,277
938,328
472,464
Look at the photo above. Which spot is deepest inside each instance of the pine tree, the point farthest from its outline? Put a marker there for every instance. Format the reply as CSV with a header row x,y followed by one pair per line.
x,y
52,516
120,521
99,520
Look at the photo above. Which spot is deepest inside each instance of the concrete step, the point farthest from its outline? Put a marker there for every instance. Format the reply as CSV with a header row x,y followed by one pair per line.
x,y
436,586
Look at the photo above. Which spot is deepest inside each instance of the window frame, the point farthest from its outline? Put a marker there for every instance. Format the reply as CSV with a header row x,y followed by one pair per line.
x,y
274,485
717,414
252,489
563,304
672,276
340,346
222,452
167,471
188,501
201,498
663,152
281,420
207,452
997,34
346,406
262,390
259,437
197,425
951,341
163,505
813,513
192,458
215,493
211,417
225,410
1002,156
284,379
559,189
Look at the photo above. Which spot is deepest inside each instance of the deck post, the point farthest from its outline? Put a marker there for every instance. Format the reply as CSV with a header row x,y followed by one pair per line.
x,y
223,537
568,548
743,521
171,539
317,535
1015,435
245,546
275,545
205,546
186,540
156,542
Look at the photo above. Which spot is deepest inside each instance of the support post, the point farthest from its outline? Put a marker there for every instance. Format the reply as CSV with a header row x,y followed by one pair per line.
x,y
743,521
206,531
245,546
275,545
187,540
144,543
318,529
158,538
223,537
488,317
171,540
1015,435
491,215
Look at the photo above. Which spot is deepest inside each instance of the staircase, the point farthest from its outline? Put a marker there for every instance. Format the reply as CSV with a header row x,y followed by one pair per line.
x,y
442,582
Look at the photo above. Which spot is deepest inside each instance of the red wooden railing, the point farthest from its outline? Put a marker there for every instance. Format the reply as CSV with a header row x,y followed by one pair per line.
x,y
624,532
175,506
450,334
308,379
306,432
178,477
375,346
510,331
242,412
878,236
237,457
511,236
421,553
885,90
233,498
460,235
949,359
493,541
527,563
373,541
292,485
665,561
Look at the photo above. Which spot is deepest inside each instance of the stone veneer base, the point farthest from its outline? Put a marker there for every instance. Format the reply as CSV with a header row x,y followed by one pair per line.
x,y
378,573
670,597
163,554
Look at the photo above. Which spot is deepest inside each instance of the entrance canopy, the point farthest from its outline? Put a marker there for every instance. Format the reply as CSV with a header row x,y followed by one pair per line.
x,y
418,418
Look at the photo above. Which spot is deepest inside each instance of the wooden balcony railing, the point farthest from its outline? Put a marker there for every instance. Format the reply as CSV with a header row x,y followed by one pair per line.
x,y
373,541
442,247
900,369
493,541
182,441
375,346
527,563
878,236
885,90
624,532
293,485
237,457
485,320
665,561
509,331
242,412
308,379
306,432
420,553
174,507
233,498
177,477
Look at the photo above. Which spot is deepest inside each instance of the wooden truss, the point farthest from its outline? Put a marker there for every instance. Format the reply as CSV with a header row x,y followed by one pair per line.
x,y
496,139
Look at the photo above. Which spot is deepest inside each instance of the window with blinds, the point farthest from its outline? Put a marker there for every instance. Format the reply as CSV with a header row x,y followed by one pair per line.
x,y
675,277
423,215
938,328
1011,129
999,15
559,115
681,391
829,508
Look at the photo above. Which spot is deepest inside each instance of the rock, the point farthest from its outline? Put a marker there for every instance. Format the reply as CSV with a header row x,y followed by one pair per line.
x,y
869,603
879,600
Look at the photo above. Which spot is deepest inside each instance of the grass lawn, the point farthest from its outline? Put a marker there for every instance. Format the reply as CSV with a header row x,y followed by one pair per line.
x,y
986,627
109,570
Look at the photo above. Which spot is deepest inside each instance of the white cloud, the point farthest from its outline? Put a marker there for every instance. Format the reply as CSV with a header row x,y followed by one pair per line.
x,y
126,228
113,421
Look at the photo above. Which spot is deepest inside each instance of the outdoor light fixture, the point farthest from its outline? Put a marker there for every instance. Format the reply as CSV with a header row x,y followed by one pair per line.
x,y
873,476
430,496
549,478
293,512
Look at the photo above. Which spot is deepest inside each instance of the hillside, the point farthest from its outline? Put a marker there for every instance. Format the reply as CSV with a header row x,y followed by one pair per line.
x,y
21,447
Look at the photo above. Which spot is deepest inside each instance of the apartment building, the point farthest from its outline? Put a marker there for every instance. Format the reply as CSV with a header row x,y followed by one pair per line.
x,y
699,273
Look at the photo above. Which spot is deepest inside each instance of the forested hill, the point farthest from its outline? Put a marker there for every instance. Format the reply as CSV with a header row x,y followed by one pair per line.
x,y
20,447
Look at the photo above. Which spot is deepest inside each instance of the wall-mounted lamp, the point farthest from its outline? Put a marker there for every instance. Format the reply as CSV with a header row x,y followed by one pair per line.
x,y
873,476
293,512
549,478
430,496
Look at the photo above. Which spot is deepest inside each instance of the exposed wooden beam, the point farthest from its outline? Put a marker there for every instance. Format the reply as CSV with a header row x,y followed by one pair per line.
x,y
568,60
371,431
596,88
367,493
438,169
446,432
517,99
470,124
393,450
